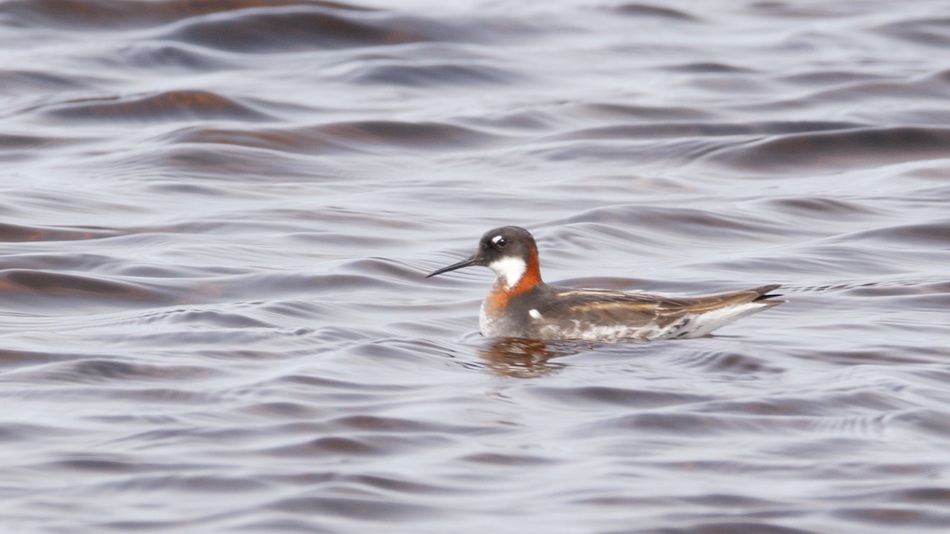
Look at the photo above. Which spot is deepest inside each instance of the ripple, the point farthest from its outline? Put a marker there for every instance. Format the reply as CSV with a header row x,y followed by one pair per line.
x,y
181,105
430,75
334,446
507,460
367,509
936,234
928,422
838,150
32,81
824,207
600,396
93,14
165,55
659,423
295,27
197,483
653,11
709,67
93,370
19,233
738,527
356,137
896,516
926,31
672,221
733,362
38,287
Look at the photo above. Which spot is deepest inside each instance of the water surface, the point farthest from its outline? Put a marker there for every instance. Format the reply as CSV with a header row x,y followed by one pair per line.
x,y
216,217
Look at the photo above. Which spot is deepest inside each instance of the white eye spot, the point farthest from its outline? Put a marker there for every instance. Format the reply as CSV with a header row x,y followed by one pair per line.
x,y
498,240
535,314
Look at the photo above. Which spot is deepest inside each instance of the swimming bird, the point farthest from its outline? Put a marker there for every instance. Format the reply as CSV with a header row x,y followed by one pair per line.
x,y
520,305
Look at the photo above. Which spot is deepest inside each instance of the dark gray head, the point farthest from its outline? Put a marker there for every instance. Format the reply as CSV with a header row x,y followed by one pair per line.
x,y
510,251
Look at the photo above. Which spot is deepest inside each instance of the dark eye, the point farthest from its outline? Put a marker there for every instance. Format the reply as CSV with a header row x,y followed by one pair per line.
x,y
499,241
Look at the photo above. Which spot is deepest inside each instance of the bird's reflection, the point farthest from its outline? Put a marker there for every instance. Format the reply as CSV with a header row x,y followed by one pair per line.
x,y
526,358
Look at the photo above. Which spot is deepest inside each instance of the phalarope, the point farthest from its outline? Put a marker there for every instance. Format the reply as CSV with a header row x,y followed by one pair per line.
x,y
520,305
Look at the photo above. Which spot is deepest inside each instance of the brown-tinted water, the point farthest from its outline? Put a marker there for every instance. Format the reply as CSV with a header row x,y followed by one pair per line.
x,y
216,217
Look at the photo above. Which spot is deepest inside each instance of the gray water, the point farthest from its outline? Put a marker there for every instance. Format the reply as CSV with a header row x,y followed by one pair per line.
x,y
216,217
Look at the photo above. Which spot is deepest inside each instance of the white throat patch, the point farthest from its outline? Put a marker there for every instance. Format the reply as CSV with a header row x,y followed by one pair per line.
x,y
510,269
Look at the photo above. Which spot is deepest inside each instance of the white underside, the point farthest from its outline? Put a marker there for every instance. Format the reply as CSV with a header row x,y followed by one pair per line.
x,y
691,326
606,333
487,325
705,323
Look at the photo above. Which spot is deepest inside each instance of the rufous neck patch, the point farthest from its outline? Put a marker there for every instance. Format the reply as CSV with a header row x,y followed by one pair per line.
x,y
514,278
